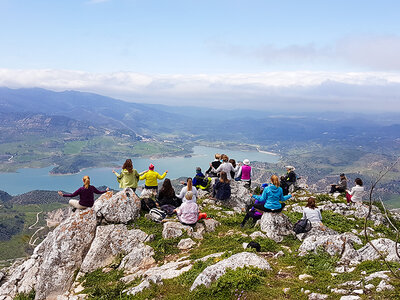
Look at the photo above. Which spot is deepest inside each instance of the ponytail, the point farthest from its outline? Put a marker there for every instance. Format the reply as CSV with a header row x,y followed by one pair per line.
x,y
189,184
275,180
86,181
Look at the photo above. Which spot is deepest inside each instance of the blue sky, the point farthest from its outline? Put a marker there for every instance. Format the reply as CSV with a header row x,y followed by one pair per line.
x,y
166,51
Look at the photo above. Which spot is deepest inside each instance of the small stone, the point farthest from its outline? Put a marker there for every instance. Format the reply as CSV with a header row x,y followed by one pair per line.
x,y
305,276
286,290
307,292
185,244
369,286
383,286
334,274
339,291
358,292
380,274
363,273
279,254
350,297
316,296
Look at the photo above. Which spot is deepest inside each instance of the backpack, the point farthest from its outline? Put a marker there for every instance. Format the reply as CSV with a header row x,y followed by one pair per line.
x,y
302,226
168,209
157,215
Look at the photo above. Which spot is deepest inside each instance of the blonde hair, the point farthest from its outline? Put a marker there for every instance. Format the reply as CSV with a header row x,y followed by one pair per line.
x,y
189,184
217,156
275,180
86,181
189,195
225,158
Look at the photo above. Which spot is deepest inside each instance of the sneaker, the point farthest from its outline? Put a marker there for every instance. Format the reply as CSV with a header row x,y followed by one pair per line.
x,y
74,209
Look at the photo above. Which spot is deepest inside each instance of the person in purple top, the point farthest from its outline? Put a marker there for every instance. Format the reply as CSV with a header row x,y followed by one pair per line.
x,y
86,195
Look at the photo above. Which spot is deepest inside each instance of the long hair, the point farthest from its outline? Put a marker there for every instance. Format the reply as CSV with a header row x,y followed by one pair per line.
x,y
167,190
311,203
86,181
224,157
128,165
223,177
275,180
189,184
233,162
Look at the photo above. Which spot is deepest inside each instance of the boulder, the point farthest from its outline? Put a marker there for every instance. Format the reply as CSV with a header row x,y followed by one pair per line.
x,y
386,246
122,207
62,252
211,224
317,296
240,260
145,284
257,234
139,257
240,196
110,241
316,231
276,226
384,286
175,229
333,244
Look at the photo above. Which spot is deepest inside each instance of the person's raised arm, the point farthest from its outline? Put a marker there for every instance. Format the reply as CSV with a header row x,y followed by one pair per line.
x,y
96,191
74,194
163,175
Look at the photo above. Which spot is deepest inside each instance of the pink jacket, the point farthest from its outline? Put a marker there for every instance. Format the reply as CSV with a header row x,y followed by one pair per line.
x,y
188,212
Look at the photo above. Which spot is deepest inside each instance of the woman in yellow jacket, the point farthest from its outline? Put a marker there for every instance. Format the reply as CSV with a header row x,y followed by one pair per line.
x,y
151,178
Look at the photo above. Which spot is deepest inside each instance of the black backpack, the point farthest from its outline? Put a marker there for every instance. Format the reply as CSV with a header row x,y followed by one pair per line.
x,y
302,226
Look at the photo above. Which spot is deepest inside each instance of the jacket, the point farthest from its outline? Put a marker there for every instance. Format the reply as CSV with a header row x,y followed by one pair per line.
x,y
222,190
127,179
188,212
151,177
86,196
271,196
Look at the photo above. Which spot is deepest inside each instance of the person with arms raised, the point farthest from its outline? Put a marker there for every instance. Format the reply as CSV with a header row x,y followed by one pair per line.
x,y
128,177
85,193
151,179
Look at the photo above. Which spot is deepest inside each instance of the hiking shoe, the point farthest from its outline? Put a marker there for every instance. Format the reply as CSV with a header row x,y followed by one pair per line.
x,y
74,209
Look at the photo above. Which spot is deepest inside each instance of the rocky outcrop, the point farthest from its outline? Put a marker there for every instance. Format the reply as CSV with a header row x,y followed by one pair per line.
x,y
110,241
240,196
276,226
240,260
333,244
175,229
119,208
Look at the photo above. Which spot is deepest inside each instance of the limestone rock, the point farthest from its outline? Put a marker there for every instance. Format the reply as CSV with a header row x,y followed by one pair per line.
x,y
384,245
240,260
186,244
350,297
122,207
305,277
140,257
276,226
156,279
333,244
383,286
380,274
211,224
175,229
110,241
257,234
316,296
316,231
63,252
240,196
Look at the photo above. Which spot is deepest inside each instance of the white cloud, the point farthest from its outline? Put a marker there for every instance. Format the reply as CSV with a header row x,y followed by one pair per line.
x,y
307,90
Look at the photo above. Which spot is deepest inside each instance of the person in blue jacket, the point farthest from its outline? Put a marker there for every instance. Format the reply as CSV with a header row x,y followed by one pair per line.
x,y
272,197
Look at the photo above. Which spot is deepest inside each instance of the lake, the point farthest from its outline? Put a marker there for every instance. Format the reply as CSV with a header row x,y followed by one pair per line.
x,y
29,179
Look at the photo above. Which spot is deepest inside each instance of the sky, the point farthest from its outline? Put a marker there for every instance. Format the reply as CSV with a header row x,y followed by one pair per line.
x,y
306,55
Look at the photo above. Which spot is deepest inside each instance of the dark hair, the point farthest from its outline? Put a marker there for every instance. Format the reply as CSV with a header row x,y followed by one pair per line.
x,y
233,162
128,165
311,203
223,177
167,190
189,184
359,181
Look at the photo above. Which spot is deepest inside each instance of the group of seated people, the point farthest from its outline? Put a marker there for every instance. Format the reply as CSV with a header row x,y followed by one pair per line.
x,y
272,198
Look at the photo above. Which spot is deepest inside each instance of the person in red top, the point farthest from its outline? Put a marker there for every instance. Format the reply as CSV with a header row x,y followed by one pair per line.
x,y
86,195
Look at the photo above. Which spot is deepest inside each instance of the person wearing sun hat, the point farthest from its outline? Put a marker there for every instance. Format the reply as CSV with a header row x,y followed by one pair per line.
x,y
245,172
151,178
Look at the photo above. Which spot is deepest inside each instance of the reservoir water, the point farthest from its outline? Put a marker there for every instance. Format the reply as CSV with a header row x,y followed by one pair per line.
x,y
29,179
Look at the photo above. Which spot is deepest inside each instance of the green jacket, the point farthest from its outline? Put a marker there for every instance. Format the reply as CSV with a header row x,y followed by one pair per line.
x,y
127,179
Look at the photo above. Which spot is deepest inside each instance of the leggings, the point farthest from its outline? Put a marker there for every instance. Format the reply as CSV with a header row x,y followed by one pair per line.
x,y
262,207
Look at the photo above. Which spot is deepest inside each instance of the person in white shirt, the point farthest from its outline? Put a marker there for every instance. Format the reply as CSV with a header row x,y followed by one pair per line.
x,y
226,167
312,212
188,188
356,193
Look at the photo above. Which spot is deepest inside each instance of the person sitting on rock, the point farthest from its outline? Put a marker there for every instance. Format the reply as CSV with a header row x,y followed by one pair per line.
x,y
356,193
312,212
245,172
341,187
128,177
188,212
271,196
151,179
288,180
188,188
253,213
222,188
200,181
214,165
167,196
226,167
86,195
